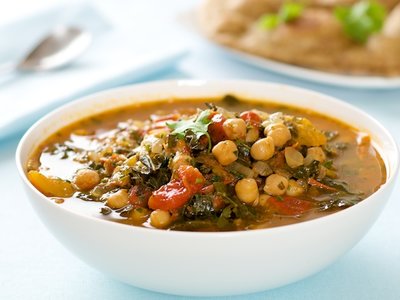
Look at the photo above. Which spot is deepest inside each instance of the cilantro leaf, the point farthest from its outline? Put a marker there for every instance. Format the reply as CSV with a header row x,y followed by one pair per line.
x,y
362,19
290,11
197,126
287,13
269,21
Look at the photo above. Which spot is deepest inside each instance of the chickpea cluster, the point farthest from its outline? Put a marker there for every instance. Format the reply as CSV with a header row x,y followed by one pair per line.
x,y
259,181
276,136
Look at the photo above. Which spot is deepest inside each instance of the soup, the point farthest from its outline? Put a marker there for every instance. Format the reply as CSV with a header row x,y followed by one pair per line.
x,y
207,165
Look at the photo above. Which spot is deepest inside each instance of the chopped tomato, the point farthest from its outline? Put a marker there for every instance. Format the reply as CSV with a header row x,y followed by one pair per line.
x,y
178,191
289,206
170,196
215,129
191,178
251,118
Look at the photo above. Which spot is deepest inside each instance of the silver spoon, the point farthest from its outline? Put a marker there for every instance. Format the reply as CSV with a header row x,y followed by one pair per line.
x,y
59,48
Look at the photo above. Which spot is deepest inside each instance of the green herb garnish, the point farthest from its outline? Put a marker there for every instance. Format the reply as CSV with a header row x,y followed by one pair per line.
x,y
197,126
288,12
362,19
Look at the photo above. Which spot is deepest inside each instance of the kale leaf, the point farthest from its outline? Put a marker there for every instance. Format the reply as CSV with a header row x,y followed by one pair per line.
x,y
199,207
305,172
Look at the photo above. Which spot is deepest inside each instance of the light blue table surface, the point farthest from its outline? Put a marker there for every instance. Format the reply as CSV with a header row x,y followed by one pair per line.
x,y
33,265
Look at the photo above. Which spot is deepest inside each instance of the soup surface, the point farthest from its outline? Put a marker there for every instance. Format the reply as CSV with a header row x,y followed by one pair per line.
x,y
207,165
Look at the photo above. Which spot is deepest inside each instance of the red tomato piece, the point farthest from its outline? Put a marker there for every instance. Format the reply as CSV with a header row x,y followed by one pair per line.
x,y
177,192
170,196
215,129
289,206
191,178
251,118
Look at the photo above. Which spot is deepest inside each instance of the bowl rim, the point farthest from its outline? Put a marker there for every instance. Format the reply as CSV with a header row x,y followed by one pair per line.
x,y
204,82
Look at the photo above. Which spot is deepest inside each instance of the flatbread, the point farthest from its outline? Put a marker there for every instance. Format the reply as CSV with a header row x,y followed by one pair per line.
x,y
315,40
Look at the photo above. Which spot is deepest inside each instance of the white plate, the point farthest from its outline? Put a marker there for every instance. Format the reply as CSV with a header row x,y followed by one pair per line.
x,y
189,19
369,82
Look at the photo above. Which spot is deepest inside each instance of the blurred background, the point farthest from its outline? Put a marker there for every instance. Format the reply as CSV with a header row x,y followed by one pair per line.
x,y
136,41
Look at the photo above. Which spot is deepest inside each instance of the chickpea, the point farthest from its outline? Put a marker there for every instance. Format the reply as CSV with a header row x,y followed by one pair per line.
x,y
118,199
279,133
263,149
160,218
252,135
225,152
294,189
314,153
276,185
293,157
235,129
247,190
86,179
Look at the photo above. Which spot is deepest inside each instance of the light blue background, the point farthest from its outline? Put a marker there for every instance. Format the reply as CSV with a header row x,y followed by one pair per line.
x,y
33,265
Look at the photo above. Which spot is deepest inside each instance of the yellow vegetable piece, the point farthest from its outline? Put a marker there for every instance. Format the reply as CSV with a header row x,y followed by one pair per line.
x,y
307,134
51,186
139,214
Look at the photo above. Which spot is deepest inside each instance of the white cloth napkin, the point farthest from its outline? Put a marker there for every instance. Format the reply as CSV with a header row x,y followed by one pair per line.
x,y
115,58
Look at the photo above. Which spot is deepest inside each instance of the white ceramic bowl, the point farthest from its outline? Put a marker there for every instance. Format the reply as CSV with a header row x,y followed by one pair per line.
x,y
203,264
